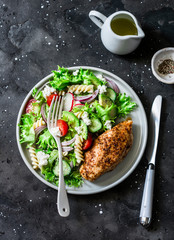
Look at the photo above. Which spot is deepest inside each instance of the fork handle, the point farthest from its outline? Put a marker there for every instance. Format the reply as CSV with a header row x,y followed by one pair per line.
x,y
62,199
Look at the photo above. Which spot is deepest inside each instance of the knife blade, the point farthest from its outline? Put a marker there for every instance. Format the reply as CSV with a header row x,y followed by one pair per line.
x,y
154,124
147,199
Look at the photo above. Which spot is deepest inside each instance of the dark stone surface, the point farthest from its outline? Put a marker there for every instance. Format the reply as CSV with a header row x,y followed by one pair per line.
x,y
35,37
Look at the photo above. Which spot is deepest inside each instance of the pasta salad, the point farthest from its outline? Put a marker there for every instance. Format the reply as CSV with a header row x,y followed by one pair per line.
x,y
92,103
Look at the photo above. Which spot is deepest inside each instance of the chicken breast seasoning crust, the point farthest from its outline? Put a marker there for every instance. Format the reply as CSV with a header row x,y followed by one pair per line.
x,y
108,150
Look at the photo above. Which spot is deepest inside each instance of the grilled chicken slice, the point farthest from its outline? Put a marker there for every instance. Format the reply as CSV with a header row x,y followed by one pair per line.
x,y
108,150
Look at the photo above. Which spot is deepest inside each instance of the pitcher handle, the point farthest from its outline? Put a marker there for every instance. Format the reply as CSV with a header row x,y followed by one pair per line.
x,y
95,16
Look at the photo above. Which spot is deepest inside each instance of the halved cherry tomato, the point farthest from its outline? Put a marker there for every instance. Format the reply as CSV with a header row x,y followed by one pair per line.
x,y
63,127
87,143
50,98
29,107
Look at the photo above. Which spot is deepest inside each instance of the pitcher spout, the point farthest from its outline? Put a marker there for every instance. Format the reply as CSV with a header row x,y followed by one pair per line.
x,y
141,34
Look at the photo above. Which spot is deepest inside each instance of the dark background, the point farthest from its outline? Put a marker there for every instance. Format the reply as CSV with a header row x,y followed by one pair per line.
x,y
35,37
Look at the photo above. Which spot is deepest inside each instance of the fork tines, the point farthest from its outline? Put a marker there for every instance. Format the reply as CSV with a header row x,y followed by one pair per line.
x,y
55,111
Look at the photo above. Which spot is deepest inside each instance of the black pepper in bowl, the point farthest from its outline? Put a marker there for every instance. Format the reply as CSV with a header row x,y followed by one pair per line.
x,y
166,67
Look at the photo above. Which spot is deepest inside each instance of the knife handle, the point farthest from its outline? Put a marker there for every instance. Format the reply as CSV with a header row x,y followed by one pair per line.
x,y
147,200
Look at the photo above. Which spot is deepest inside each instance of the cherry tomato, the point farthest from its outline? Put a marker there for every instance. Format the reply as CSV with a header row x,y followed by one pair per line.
x,y
30,107
63,127
50,98
87,143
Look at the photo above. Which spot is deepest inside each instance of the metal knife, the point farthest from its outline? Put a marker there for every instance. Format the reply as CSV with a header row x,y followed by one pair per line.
x,y
147,199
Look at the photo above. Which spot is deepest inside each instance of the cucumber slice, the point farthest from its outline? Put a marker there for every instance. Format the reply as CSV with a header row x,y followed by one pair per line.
x,y
66,169
95,126
84,129
71,119
111,94
104,100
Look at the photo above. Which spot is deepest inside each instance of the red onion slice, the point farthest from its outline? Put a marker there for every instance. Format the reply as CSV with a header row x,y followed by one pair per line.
x,y
69,142
92,97
87,98
113,85
71,164
82,98
43,112
67,149
38,130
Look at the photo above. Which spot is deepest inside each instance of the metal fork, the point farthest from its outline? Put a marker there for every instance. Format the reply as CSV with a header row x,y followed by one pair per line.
x,y
55,113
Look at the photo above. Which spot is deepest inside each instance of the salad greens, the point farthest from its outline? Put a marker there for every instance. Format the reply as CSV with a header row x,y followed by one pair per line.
x,y
63,78
89,113
124,105
27,130
46,141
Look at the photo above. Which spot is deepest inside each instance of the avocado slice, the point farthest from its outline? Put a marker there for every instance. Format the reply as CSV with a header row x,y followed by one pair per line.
x,y
84,129
113,112
95,81
104,100
71,119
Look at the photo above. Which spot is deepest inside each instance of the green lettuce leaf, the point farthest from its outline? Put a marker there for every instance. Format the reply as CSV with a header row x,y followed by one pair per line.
x,y
63,78
53,156
74,179
107,111
38,95
124,105
71,158
89,108
34,92
27,133
49,175
46,141
90,78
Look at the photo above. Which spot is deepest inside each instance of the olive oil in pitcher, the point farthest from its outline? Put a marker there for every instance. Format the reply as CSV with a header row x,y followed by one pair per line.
x,y
123,27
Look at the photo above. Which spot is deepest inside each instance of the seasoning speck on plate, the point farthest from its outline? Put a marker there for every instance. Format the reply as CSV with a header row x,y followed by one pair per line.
x,y
166,67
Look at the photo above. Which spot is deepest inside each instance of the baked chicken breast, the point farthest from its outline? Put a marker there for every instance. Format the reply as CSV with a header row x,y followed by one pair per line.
x,y
108,150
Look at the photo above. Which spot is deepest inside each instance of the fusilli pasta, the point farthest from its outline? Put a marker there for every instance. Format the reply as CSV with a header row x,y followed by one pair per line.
x,y
78,149
39,123
62,93
77,89
79,114
64,154
34,160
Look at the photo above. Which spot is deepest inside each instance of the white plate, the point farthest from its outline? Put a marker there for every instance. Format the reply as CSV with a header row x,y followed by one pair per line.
x,y
126,167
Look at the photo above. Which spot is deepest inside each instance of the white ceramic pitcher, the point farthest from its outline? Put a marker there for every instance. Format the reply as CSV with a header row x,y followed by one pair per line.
x,y
117,44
